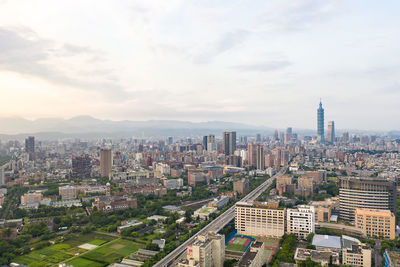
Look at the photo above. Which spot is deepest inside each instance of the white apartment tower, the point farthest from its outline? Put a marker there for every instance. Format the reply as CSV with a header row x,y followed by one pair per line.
x,y
300,221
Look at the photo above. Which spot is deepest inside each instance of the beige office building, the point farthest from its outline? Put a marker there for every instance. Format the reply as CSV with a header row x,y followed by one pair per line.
x,y
260,218
357,256
207,251
376,223
105,162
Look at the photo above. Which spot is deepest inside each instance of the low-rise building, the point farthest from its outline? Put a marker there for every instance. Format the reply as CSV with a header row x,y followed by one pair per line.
x,y
219,202
357,256
241,186
323,257
322,242
111,203
173,183
204,212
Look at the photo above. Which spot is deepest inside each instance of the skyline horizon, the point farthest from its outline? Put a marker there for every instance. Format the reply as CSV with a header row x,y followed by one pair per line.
x,y
237,61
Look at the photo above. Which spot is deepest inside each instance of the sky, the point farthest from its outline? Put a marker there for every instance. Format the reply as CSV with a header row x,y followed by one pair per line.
x,y
258,62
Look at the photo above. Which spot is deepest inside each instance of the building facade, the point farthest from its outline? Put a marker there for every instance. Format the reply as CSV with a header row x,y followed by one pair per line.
x,y
376,223
260,218
105,162
367,193
300,221
320,125
229,142
357,256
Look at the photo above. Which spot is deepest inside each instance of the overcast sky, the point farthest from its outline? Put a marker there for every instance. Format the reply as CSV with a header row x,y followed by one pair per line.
x,y
259,62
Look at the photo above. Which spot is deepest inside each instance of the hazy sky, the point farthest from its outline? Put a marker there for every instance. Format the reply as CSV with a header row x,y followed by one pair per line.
x,y
258,62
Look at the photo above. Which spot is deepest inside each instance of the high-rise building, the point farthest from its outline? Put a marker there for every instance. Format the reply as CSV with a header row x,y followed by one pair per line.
x,y
81,166
331,132
365,193
258,138
276,135
252,154
345,137
320,129
210,144
376,223
260,158
260,219
30,147
207,250
288,135
170,140
105,162
229,140
301,221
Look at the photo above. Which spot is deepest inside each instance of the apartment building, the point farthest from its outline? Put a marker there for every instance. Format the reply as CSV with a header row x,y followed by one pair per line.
x,y
241,186
376,223
300,221
260,218
207,250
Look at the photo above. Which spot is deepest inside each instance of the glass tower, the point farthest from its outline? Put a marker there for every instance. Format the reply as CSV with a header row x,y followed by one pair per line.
x,y
320,129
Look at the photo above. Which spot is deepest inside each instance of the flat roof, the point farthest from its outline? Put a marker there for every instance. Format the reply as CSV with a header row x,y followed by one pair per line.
x,y
328,241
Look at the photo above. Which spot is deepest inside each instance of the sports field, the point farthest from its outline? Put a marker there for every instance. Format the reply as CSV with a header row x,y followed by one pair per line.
x,y
271,245
238,243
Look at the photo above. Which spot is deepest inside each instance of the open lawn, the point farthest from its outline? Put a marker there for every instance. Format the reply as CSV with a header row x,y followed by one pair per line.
x,y
97,242
110,252
82,262
52,255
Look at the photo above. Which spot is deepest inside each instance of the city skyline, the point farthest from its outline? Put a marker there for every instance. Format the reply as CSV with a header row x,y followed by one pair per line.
x,y
181,60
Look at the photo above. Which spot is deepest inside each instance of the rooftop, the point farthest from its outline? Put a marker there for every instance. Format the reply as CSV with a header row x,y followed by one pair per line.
x,y
327,241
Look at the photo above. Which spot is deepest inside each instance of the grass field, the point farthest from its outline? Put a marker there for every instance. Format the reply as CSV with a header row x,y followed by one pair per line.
x,y
97,242
61,252
108,253
235,247
82,262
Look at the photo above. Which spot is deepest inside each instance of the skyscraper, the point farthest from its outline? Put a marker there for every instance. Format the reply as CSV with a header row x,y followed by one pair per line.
x,y
81,166
331,132
209,142
252,154
105,162
30,147
320,130
260,157
229,139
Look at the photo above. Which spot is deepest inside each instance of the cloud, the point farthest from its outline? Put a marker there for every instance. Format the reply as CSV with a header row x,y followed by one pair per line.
x,y
23,51
299,15
263,67
226,42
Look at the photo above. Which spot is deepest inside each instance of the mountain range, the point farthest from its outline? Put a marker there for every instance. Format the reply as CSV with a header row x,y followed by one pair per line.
x,y
88,127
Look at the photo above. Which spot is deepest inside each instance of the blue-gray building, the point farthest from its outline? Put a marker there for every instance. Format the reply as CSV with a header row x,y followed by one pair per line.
x,y
320,126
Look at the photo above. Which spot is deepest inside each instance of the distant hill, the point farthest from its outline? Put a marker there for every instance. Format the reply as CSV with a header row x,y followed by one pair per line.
x,y
89,127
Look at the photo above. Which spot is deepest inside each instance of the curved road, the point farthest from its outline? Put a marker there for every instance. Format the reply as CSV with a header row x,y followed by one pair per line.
x,y
218,223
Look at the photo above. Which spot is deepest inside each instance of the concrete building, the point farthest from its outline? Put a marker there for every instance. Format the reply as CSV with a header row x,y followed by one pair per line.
x,y
111,203
357,256
68,192
241,186
31,198
368,193
229,142
254,256
219,202
331,132
105,162
284,184
252,154
207,251
260,158
376,223
173,183
300,221
323,257
260,218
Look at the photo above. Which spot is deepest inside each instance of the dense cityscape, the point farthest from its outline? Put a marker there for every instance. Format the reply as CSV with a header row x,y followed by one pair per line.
x,y
212,200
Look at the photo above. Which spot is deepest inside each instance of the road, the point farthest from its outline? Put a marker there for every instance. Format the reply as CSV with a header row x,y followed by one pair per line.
x,y
378,256
217,224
